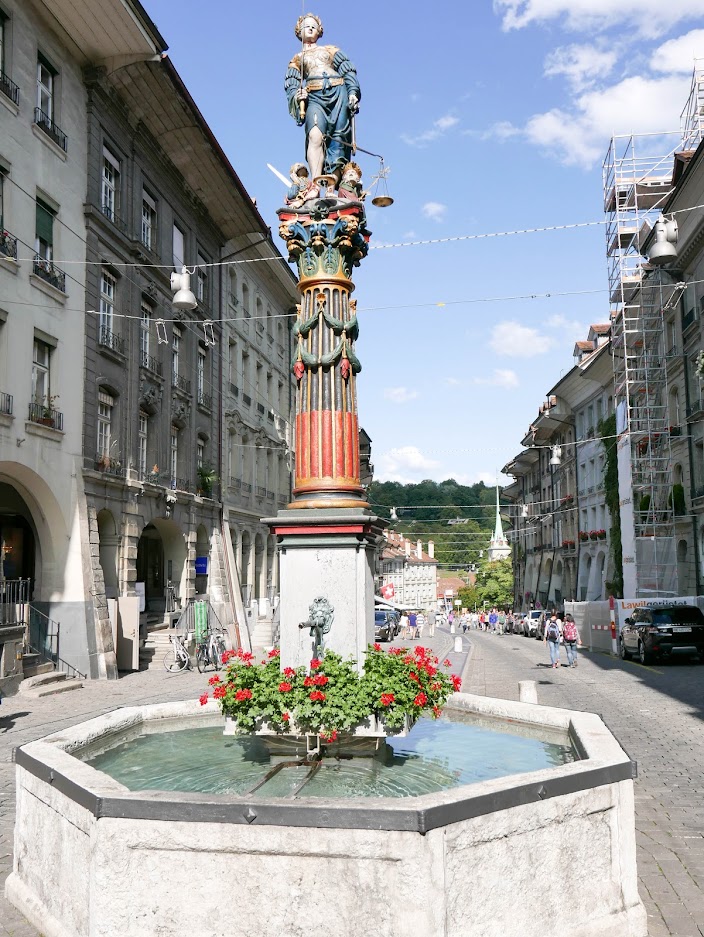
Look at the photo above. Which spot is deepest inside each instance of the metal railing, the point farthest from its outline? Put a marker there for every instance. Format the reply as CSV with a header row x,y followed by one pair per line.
x,y
181,383
150,363
8,244
113,216
261,492
14,595
9,89
234,389
205,400
109,339
246,400
49,273
43,638
180,484
6,401
45,416
235,482
260,408
50,128
246,488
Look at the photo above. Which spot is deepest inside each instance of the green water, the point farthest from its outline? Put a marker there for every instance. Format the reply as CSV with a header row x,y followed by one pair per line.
x,y
436,755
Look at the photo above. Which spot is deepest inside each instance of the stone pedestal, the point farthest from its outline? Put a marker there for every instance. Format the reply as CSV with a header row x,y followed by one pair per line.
x,y
328,553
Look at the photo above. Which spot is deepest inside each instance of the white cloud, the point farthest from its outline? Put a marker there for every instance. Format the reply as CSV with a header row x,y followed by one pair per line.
x,y
405,464
438,129
581,65
399,394
435,211
571,328
453,382
676,56
489,478
501,377
518,341
649,17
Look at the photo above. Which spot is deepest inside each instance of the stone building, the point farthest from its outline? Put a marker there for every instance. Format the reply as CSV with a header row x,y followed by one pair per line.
x,y
412,572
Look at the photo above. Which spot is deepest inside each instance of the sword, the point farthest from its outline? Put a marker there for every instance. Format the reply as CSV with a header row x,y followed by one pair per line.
x,y
354,135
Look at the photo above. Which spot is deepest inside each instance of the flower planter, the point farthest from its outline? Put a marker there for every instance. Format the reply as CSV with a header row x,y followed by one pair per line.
x,y
45,420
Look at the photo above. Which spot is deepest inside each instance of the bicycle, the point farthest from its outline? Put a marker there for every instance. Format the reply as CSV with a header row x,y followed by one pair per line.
x,y
178,658
210,651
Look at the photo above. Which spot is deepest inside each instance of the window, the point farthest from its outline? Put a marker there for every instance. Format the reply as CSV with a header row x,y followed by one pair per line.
x,y
2,198
46,76
174,453
245,301
3,52
175,350
44,239
110,194
202,280
145,324
142,443
200,453
107,305
201,374
148,220
179,247
105,405
41,386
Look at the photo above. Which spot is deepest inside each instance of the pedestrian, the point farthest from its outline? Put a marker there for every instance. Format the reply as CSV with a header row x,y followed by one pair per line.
x,y
431,623
451,618
500,622
412,625
420,624
493,618
571,640
553,633
474,621
403,624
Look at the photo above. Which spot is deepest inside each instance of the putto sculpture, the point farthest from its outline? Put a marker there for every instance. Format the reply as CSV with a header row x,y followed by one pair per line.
x,y
323,96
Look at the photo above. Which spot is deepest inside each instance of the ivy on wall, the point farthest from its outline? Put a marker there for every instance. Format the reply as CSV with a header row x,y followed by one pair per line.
x,y
607,432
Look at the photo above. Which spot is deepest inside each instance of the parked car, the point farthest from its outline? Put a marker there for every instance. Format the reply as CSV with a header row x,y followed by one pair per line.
x,y
543,623
662,631
385,625
531,622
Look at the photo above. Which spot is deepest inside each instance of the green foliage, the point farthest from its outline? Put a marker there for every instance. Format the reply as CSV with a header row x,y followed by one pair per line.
x,y
469,597
495,584
607,432
331,697
452,548
676,500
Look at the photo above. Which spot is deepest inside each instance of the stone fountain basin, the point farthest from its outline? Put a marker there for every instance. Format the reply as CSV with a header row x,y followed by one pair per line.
x,y
549,853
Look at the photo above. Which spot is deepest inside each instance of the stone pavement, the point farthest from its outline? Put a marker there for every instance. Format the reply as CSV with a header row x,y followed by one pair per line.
x,y
656,714
23,720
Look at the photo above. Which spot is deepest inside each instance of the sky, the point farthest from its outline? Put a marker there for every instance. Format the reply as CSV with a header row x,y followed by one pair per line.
x,y
492,117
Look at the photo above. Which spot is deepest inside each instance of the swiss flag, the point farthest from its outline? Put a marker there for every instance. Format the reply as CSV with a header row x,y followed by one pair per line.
x,y
388,591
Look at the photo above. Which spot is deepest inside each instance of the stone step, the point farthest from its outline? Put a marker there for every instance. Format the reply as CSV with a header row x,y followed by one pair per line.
x,y
41,680
36,668
64,686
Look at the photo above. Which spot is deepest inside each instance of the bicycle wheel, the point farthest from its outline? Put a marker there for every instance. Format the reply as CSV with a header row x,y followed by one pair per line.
x,y
175,662
202,658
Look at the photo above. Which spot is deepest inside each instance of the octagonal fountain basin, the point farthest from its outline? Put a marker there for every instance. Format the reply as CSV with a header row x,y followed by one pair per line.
x,y
148,821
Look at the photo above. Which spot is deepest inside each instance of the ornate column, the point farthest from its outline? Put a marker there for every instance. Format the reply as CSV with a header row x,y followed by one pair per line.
x,y
326,238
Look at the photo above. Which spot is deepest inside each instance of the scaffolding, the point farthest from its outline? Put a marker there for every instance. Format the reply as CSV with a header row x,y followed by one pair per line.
x,y
639,174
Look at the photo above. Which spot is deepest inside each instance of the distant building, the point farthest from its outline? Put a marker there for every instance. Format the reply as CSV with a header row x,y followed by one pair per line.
x,y
499,547
412,572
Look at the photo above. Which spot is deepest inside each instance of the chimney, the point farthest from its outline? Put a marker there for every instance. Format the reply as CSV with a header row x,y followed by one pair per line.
x,y
407,545
419,549
431,549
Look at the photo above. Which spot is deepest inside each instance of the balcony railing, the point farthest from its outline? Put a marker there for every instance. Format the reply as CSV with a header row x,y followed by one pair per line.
x,y
51,129
6,401
246,400
269,495
49,273
9,89
234,389
150,363
180,484
235,482
45,416
261,491
270,416
109,465
113,216
205,400
246,488
8,244
180,383
108,339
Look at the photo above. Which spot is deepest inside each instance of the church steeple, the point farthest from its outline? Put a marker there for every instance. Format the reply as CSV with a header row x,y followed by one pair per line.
x,y
499,547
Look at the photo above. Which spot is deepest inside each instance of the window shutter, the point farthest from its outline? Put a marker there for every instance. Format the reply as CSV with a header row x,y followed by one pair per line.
x,y
45,223
105,398
113,160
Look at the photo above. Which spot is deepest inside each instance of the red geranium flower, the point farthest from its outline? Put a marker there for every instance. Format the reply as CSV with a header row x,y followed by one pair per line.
x,y
420,700
285,716
436,712
408,659
431,671
227,655
387,699
203,699
315,663
274,652
242,694
377,647
320,679
214,679
414,677
289,672
317,696
285,687
435,687
308,681
456,682
397,651
221,691
419,651
447,662
332,737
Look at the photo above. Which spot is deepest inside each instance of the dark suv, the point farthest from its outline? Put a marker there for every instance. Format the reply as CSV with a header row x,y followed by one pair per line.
x,y
662,631
385,625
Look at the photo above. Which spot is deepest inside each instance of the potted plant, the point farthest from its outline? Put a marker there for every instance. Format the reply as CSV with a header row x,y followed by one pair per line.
x,y
593,534
583,536
601,534
46,410
206,479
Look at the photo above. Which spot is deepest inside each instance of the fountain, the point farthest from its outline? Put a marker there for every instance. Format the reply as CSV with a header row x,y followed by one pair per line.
x,y
497,818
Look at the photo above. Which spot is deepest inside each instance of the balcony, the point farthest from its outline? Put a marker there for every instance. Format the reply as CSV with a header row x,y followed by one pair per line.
x,y
6,401
150,363
180,383
113,216
261,492
246,400
696,409
45,416
246,488
46,271
52,130
261,409
110,340
270,416
108,465
205,401
9,89
234,389
8,245
235,483
269,495
180,484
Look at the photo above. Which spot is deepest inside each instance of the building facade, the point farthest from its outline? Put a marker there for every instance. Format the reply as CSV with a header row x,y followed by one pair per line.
x,y
411,571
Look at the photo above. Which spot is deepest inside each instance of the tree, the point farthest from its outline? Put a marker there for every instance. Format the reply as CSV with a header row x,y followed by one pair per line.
x,y
469,597
495,583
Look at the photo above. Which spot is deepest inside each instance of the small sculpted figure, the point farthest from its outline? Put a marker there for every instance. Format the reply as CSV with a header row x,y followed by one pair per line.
x,y
351,184
302,186
323,95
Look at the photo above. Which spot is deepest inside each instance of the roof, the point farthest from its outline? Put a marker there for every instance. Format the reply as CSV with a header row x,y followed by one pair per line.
x,y
395,548
601,329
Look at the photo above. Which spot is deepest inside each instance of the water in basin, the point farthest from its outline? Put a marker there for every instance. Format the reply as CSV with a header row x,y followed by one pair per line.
x,y
436,755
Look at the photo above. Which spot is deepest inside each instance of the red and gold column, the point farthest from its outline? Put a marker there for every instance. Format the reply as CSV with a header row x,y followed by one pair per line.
x,y
326,242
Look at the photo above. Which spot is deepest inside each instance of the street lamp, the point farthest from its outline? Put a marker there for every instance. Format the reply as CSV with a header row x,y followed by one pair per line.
x,y
181,287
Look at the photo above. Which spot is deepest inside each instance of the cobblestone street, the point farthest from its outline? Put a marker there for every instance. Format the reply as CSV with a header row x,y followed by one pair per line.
x,y
655,712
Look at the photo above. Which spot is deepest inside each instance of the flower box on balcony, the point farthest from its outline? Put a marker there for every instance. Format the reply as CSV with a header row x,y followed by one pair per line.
x,y
583,536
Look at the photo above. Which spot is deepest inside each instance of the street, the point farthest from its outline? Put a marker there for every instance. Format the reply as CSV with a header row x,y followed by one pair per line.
x,y
655,712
